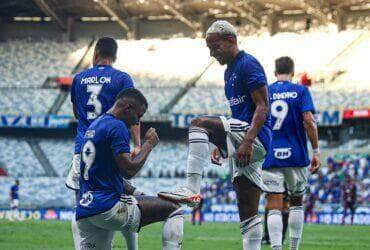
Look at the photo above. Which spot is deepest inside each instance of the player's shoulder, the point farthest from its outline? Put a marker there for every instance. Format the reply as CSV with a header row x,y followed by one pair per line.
x,y
248,59
120,73
109,122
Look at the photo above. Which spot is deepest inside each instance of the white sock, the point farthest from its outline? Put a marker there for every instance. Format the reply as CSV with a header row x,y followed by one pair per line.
x,y
75,232
251,230
198,157
131,239
173,231
296,218
275,226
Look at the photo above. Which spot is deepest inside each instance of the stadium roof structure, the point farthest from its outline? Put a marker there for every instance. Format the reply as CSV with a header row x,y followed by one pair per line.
x,y
190,12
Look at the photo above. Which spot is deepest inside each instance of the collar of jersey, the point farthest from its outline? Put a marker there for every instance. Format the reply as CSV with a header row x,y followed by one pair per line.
x,y
240,54
103,65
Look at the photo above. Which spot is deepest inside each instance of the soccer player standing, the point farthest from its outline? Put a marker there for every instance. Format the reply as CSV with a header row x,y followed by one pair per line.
x,y
93,92
244,138
349,198
14,200
103,206
287,161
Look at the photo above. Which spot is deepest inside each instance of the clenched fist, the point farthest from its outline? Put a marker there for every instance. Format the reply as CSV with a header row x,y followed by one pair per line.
x,y
151,137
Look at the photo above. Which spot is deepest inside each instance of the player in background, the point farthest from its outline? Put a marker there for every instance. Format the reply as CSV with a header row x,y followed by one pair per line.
x,y
93,92
103,206
14,201
288,160
349,191
244,138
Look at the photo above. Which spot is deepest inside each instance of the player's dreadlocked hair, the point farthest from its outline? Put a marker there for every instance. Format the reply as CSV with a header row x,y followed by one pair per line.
x,y
133,94
106,47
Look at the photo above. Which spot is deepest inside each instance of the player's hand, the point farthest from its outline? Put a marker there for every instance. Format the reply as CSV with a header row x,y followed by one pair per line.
x,y
151,137
216,157
244,152
315,163
136,151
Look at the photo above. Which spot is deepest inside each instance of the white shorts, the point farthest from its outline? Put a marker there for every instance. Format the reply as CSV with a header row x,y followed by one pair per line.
x,y
96,232
235,133
14,203
294,178
72,180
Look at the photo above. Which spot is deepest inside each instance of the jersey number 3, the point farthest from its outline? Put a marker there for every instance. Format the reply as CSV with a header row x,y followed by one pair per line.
x,y
88,157
94,91
279,110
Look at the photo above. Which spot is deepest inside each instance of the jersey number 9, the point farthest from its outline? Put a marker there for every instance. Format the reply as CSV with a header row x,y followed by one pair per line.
x,y
88,157
279,110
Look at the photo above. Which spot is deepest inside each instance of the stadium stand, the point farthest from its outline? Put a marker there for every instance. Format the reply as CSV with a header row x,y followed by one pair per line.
x,y
325,186
18,158
27,101
166,166
59,152
180,60
49,58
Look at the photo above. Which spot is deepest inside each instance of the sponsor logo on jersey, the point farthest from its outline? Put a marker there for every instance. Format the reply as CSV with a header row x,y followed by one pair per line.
x,y
90,134
282,153
96,80
237,100
284,95
271,183
86,199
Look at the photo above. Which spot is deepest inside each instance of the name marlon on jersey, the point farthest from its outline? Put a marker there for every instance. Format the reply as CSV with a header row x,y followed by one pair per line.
x,y
284,95
96,80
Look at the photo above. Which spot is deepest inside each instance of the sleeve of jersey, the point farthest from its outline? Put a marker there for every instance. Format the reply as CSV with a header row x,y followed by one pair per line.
x,y
254,76
126,82
307,102
73,91
119,139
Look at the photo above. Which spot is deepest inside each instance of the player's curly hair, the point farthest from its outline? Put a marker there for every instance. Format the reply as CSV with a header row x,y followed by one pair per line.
x,y
134,94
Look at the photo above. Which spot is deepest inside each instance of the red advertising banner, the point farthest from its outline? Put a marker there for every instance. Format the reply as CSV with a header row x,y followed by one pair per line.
x,y
356,113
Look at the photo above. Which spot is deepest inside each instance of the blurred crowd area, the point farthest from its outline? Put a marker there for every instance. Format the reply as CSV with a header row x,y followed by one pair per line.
x,y
324,187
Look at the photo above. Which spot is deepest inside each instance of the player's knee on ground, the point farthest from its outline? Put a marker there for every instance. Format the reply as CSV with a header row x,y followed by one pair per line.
x,y
274,201
295,200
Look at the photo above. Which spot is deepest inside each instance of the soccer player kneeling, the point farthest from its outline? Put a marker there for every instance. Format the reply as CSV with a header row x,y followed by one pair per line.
x,y
103,208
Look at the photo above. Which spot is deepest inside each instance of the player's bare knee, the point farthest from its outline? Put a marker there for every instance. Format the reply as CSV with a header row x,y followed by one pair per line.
x,y
274,201
199,122
295,201
174,206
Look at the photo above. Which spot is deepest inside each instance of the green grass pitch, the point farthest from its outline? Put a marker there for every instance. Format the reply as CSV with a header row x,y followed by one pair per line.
x,y
210,236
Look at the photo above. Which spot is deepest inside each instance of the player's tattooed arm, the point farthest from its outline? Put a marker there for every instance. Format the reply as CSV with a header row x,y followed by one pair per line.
x,y
311,129
130,166
260,99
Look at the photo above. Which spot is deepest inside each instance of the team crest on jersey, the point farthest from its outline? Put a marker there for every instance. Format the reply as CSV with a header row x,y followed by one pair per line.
x,y
90,134
86,199
282,153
